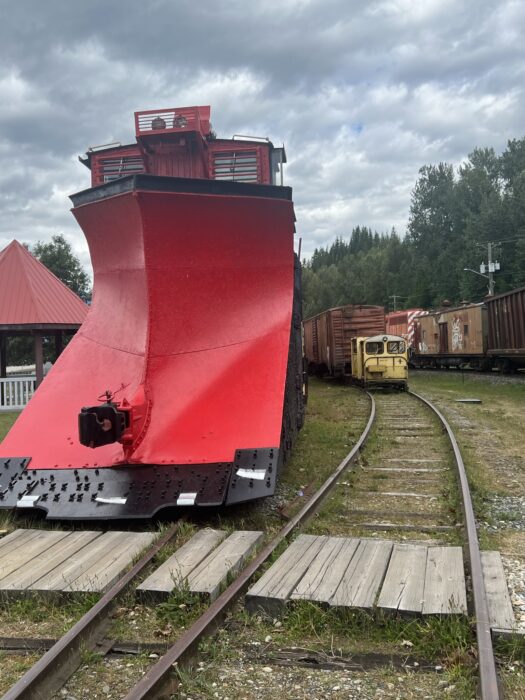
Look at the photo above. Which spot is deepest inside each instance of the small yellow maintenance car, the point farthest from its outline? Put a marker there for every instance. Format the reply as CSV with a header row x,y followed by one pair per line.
x,y
381,360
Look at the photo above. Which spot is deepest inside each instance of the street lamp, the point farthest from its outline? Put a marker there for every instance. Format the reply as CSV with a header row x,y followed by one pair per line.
x,y
487,277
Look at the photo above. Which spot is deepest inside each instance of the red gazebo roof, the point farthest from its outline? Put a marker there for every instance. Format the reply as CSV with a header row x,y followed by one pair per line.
x,y
31,295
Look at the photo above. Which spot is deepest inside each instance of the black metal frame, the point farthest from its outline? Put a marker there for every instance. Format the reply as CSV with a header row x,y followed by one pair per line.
x,y
161,183
136,491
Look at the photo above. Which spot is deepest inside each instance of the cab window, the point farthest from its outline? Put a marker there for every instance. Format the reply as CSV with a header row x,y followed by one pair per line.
x,y
396,347
374,348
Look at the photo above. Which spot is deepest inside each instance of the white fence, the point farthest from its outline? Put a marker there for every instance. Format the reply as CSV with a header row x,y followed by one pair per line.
x,y
15,392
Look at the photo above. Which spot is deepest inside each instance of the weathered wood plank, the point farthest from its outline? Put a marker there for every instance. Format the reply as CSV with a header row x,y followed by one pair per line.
x,y
17,536
97,565
404,583
436,514
326,571
23,552
398,494
112,561
175,570
410,460
409,528
444,582
361,581
211,574
405,470
501,614
271,592
403,423
47,561
510,635
77,564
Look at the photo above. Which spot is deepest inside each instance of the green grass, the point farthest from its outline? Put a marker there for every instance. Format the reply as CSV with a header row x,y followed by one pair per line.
x,y
448,641
6,421
41,617
13,667
470,385
513,649
334,422
494,431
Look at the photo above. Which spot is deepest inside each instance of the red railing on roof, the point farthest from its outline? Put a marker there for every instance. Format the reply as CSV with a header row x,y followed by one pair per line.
x,y
172,120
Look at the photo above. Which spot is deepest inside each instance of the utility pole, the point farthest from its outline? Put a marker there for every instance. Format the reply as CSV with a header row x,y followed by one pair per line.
x,y
491,267
395,297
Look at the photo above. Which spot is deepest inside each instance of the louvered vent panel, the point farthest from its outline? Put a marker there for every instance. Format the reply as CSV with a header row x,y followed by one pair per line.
x,y
113,168
241,166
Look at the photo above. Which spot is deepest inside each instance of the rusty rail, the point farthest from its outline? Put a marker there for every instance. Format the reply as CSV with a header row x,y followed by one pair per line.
x,y
56,666
158,680
487,663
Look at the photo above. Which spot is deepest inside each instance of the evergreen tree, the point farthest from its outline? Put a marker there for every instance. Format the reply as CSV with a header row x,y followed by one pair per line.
x,y
58,257
453,215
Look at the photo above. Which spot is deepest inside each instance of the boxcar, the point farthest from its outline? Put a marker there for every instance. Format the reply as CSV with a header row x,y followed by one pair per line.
x,y
380,361
452,337
506,329
403,323
327,336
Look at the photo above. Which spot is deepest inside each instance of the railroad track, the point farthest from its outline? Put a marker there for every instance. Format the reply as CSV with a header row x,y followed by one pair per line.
x,y
396,418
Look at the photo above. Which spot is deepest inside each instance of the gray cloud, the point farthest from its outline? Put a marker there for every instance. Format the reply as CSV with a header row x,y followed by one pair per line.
x,y
362,94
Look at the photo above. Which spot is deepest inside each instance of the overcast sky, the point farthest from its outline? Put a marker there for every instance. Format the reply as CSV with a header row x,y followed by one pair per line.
x,y
362,94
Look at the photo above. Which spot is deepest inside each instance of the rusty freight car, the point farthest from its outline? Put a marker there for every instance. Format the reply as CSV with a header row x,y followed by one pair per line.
x,y
506,329
403,323
327,336
453,337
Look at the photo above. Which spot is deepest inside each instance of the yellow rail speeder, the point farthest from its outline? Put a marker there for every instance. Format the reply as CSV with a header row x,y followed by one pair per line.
x,y
381,360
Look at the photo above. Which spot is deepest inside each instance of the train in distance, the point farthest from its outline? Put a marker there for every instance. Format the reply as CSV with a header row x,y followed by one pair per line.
x,y
486,335
184,386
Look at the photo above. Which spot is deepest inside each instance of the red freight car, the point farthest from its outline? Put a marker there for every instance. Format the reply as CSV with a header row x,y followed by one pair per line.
x,y
506,321
403,323
327,336
192,344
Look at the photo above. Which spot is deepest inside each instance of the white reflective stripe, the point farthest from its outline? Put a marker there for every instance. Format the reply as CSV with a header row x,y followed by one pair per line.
x,y
252,473
27,501
186,499
111,500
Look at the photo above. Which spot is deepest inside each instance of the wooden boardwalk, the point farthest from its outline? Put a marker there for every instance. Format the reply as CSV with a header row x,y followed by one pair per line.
x,y
365,573
58,561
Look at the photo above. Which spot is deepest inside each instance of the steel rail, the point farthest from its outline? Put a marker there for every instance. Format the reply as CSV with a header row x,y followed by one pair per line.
x,y
57,665
487,664
159,677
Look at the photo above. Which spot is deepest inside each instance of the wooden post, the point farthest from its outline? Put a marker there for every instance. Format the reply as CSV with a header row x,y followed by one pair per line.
x,y
39,358
3,363
3,356
58,344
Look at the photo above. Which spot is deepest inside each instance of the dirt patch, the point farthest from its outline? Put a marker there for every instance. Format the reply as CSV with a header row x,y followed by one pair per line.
x,y
106,678
13,667
257,682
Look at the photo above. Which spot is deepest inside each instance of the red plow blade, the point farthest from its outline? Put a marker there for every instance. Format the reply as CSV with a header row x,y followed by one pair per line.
x,y
190,325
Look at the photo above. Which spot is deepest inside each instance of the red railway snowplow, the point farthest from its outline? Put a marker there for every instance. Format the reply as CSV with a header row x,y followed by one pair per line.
x,y
184,384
